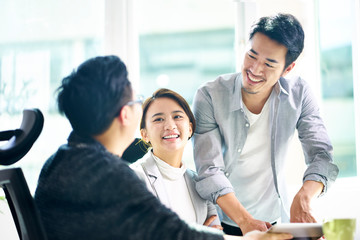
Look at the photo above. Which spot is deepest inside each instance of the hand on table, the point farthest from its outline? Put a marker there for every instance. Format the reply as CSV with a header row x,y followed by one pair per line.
x,y
300,211
254,224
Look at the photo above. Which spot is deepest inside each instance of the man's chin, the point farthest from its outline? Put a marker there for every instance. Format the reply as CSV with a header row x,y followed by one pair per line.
x,y
248,91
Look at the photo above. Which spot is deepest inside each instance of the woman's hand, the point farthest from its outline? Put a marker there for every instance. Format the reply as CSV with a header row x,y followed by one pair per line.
x,y
210,220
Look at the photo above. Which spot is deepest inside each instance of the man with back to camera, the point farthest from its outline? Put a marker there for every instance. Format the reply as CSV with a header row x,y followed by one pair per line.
x,y
85,190
244,125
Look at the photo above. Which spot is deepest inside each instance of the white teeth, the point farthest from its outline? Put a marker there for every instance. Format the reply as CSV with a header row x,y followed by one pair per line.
x,y
254,79
171,136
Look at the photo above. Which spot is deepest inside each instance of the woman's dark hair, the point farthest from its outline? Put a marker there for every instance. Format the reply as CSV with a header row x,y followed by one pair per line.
x,y
167,93
93,95
286,30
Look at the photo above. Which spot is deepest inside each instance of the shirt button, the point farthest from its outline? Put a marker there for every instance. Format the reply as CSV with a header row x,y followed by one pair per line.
x,y
239,150
247,125
227,174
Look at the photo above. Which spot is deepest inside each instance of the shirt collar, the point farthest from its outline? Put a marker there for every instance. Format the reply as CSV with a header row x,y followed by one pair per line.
x,y
235,96
278,88
168,171
236,92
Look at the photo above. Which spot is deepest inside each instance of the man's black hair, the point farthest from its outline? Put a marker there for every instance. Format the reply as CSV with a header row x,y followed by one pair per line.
x,y
92,96
286,30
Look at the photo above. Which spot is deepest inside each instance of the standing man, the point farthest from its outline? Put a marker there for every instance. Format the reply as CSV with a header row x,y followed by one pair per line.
x,y
245,122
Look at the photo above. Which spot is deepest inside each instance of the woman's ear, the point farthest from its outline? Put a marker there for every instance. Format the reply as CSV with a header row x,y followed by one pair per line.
x,y
190,130
144,135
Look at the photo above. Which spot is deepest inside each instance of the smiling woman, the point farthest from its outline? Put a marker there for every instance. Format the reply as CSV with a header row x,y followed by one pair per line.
x,y
167,125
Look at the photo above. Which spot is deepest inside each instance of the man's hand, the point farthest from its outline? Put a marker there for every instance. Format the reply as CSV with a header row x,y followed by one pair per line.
x,y
253,224
300,210
234,209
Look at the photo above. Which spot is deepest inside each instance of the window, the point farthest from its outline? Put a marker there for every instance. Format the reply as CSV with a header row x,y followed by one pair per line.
x,y
183,44
327,65
41,42
336,28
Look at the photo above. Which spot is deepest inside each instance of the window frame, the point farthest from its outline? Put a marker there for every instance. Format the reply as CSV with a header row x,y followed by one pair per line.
x,y
122,38
356,81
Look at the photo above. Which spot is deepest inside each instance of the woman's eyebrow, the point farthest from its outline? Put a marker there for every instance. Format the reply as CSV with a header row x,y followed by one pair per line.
x,y
177,111
161,114
157,114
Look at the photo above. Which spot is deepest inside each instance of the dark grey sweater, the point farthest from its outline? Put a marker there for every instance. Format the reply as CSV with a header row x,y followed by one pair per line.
x,y
85,192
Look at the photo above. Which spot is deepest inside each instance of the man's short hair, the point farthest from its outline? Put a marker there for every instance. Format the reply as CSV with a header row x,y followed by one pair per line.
x,y
286,30
93,95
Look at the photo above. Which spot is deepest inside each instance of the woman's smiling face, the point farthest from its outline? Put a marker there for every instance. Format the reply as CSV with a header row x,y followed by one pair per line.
x,y
167,127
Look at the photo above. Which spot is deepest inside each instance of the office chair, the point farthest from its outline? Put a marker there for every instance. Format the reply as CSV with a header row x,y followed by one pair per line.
x,y
12,181
19,141
21,204
135,151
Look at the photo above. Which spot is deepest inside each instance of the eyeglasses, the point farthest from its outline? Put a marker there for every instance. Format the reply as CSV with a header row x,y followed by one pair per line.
x,y
139,100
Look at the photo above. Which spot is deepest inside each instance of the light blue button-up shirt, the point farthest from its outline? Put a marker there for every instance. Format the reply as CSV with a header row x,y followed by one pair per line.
x,y
222,127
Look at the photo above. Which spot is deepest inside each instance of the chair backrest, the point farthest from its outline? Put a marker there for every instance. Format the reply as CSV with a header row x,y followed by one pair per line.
x,y
12,181
21,204
19,141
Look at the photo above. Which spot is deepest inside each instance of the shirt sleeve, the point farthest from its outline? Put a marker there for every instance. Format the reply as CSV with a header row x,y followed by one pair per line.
x,y
207,145
316,143
212,211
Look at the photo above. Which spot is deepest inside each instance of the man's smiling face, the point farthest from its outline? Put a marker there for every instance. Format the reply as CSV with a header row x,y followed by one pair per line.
x,y
263,65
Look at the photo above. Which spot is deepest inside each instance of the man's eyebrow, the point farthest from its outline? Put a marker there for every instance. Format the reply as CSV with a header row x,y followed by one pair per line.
x,y
268,59
253,51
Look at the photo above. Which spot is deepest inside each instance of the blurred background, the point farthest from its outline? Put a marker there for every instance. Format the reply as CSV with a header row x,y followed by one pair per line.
x,y
179,45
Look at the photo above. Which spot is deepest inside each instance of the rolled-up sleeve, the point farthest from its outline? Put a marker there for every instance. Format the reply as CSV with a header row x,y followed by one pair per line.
x,y
316,144
207,145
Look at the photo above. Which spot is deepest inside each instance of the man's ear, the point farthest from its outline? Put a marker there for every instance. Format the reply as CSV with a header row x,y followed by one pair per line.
x,y
124,116
288,69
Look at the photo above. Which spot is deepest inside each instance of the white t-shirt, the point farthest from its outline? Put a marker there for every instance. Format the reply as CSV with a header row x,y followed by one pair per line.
x,y
252,177
177,192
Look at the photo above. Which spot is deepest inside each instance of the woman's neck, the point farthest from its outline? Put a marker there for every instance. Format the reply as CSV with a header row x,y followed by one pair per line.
x,y
173,158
